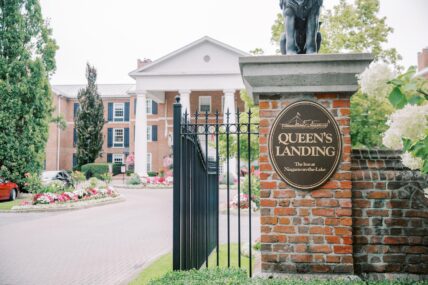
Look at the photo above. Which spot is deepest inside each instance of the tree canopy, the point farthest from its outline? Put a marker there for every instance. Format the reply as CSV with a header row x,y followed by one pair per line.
x,y
27,58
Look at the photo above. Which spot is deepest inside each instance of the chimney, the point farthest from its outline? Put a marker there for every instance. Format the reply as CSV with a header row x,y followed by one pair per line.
x,y
423,59
141,63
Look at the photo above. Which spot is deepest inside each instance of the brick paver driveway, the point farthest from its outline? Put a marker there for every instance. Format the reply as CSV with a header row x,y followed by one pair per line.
x,y
102,245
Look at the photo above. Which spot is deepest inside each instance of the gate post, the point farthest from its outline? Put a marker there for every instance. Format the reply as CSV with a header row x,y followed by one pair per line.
x,y
176,186
305,159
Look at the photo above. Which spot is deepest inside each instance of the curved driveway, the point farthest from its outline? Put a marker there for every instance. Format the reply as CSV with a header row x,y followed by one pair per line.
x,y
101,245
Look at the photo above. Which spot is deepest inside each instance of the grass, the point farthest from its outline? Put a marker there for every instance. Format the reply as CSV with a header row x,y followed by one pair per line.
x,y
163,265
7,205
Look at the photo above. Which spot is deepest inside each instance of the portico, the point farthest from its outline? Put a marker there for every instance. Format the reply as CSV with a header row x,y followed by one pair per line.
x,y
206,65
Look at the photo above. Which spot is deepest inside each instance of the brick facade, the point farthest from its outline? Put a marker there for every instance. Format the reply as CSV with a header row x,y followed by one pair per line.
x,y
59,154
306,231
390,215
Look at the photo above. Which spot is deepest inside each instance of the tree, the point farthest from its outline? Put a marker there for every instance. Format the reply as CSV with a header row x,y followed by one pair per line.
x,y
27,59
352,28
233,140
90,121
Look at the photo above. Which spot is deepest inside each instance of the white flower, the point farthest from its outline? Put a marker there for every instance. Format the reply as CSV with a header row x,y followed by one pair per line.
x,y
392,139
412,162
374,80
410,122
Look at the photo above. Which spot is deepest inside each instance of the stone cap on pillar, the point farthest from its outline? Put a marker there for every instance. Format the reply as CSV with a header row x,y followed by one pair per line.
x,y
297,74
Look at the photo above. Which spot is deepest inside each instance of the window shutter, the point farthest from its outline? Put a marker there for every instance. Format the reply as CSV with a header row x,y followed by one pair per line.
x,y
127,112
155,133
74,160
74,137
135,106
109,158
76,108
110,112
110,138
154,107
126,137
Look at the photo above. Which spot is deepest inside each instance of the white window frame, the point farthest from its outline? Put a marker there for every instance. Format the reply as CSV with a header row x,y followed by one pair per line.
x,y
118,106
115,142
118,156
200,99
149,162
149,133
149,109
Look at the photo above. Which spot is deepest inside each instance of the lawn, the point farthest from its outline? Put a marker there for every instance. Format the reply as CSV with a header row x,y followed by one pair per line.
x,y
7,205
163,265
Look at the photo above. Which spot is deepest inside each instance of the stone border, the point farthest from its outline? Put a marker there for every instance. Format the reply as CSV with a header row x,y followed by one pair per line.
x,y
68,206
140,187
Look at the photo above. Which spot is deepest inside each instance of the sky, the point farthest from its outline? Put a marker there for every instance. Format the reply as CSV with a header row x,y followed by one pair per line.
x,y
112,35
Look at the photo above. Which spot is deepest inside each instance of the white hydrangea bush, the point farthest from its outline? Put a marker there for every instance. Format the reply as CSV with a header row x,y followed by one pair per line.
x,y
412,162
410,122
374,80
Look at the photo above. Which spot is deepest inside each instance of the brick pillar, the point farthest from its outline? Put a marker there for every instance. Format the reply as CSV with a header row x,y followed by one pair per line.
x,y
305,231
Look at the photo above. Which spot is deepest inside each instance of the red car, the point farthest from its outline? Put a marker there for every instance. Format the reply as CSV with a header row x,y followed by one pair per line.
x,y
8,190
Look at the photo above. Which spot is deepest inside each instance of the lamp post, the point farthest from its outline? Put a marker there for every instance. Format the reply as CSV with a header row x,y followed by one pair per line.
x,y
126,153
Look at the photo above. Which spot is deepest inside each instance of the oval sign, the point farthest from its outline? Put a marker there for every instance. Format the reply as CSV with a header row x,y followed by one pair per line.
x,y
305,145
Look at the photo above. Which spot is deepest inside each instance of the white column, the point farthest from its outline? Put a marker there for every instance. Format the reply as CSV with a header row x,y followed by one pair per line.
x,y
141,134
229,105
185,102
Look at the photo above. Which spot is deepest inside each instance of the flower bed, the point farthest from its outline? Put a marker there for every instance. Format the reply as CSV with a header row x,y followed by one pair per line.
x,y
75,196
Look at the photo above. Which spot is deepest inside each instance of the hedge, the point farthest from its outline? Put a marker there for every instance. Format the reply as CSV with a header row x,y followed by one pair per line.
x,y
239,277
117,168
95,169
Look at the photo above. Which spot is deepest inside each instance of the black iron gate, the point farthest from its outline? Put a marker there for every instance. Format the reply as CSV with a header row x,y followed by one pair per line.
x,y
196,185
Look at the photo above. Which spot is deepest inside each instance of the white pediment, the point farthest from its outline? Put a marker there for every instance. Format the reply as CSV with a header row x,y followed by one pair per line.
x,y
203,57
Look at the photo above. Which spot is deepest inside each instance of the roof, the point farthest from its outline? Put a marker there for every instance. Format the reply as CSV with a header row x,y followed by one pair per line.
x,y
105,90
186,48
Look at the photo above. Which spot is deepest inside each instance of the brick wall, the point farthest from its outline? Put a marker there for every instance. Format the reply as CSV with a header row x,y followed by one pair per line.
x,y
306,231
390,215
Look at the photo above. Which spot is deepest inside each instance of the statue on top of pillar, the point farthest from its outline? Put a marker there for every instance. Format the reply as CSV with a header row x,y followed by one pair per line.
x,y
301,26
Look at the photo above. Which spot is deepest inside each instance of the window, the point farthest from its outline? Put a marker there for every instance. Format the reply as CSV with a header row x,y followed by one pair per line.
x,y
149,161
119,112
118,137
149,133
149,106
205,104
118,158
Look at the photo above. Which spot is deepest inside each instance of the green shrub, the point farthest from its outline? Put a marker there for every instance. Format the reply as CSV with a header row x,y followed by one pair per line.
x,y
106,177
77,177
134,180
152,174
116,168
33,183
54,187
204,276
218,276
93,182
255,188
95,169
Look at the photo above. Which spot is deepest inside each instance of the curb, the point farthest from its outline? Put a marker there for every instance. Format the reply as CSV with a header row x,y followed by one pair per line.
x,y
76,207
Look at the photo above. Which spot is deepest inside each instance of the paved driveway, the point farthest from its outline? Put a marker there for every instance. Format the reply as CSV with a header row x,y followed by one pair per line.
x,y
101,245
